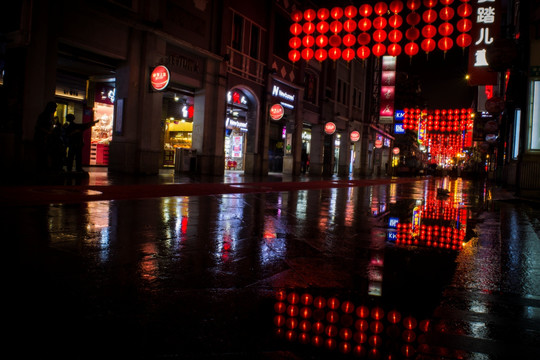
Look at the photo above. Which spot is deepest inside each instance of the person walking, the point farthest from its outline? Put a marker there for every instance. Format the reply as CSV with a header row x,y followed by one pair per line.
x,y
42,138
74,133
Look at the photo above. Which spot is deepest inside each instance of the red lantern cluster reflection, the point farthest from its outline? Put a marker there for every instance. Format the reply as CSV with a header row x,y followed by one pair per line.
x,y
346,327
385,28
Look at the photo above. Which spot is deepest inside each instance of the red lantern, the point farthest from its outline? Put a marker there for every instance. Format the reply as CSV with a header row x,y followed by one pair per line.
x,y
379,35
297,15
350,11
396,6
446,13
296,29
349,25
364,38
334,40
334,53
365,10
429,31
464,25
363,52
446,29
430,3
349,40
295,42
413,4
412,34
379,22
323,27
380,8
347,54
445,43
379,49
464,10
321,40
336,13
336,26
464,40
320,54
395,36
309,28
364,24
308,41
428,45
395,21
394,49
307,53
413,19
411,49
323,14
294,55
447,2
429,16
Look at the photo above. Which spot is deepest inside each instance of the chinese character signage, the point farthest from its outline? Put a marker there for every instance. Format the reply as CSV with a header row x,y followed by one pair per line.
x,y
486,25
388,88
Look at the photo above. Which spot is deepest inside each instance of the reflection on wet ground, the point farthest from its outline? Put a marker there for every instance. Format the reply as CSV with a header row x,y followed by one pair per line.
x,y
432,269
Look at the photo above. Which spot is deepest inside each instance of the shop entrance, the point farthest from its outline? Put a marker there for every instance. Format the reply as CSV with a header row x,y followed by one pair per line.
x,y
177,125
239,123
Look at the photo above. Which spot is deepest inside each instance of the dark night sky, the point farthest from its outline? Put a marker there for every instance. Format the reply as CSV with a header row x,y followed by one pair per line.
x,y
442,77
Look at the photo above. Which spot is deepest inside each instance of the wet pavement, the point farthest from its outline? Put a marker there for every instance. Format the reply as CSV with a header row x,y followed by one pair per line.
x,y
274,268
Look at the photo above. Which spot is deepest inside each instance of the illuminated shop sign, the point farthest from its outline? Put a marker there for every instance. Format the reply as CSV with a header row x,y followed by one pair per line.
x,y
392,222
398,129
355,136
399,115
159,78
234,123
388,82
234,97
276,111
284,95
330,128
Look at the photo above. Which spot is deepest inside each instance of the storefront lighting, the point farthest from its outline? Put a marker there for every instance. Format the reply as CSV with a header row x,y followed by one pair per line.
x,y
176,98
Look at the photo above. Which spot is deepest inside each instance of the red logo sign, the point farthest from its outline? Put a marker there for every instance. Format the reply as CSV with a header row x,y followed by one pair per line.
x,y
395,150
276,112
355,136
378,144
160,77
330,128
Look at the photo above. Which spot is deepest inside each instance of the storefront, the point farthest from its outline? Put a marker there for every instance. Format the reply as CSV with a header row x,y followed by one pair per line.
x,y
101,133
282,127
177,120
239,107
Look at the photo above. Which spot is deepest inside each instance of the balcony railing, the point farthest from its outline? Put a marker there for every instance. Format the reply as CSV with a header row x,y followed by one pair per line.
x,y
245,66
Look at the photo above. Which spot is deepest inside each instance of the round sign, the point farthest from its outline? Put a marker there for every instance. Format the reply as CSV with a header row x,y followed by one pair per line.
x,y
276,111
378,143
355,136
495,105
330,128
395,150
160,77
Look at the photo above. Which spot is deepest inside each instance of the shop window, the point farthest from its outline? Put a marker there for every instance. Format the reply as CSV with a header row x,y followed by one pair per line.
x,y
238,32
534,116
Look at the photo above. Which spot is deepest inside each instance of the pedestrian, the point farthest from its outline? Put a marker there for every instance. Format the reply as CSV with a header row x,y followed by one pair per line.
x,y
57,147
74,134
42,134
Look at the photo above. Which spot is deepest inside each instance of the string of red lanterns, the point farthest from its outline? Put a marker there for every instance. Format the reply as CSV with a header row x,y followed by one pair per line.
x,y
359,32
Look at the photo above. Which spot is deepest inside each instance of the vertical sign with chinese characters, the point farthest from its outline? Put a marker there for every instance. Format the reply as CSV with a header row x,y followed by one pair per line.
x,y
388,89
486,24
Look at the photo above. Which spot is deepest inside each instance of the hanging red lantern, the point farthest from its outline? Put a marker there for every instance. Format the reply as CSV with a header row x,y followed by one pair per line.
x,y
429,16
334,53
446,29
380,8
464,40
349,40
320,54
413,4
394,49
336,26
429,31
350,11
395,36
295,42
428,45
308,41
413,19
294,55
379,22
297,16
296,29
349,25
411,49
446,13
309,28
396,6
430,3
379,49
447,2
307,54
336,13
464,25
323,14
347,54
365,10
322,27
364,24
334,40
395,21
321,40
310,14
379,35
364,38
412,34
445,43
464,10
363,52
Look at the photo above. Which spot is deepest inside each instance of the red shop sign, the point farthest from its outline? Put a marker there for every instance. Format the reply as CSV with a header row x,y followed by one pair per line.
x,y
276,111
160,77
395,150
378,143
355,136
330,128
